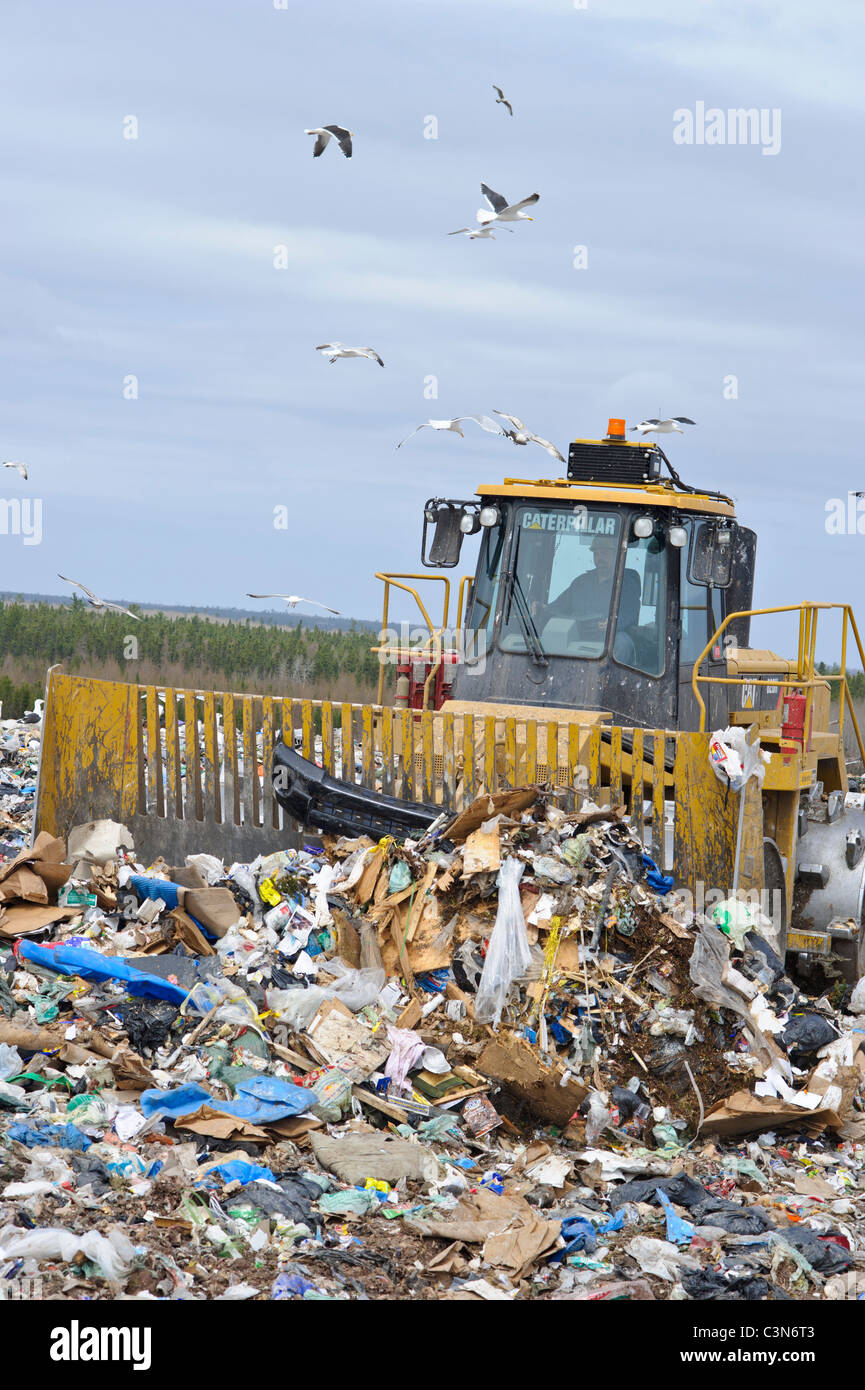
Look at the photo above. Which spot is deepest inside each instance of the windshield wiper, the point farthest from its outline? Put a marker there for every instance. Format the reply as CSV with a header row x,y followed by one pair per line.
x,y
528,623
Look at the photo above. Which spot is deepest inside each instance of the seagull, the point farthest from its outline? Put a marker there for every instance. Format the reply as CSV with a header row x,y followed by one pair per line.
x,y
671,426
34,715
501,100
520,434
335,350
502,210
473,233
292,600
19,468
95,601
323,134
483,420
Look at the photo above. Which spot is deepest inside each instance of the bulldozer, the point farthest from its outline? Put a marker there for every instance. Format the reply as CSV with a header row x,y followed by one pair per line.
x,y
601,641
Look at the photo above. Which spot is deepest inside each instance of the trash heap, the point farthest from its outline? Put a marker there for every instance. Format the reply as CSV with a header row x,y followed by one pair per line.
x,y
504,1061
20,741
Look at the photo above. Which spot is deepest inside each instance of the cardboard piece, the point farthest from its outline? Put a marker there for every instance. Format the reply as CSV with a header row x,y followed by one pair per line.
x,y
215,908
514,1235
22,919
215,1124
511,1060
744,1113
23,886
482,853
484,807
340,1039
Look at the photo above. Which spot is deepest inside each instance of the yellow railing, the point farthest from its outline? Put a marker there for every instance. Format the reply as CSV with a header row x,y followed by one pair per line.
x,y
807,677
433,650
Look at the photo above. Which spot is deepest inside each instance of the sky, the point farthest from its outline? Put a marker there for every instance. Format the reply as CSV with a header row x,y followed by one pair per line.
x,y
153,258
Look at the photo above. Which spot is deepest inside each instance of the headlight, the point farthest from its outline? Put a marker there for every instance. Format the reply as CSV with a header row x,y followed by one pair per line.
x,y
489,516
644,526
677,536
469,523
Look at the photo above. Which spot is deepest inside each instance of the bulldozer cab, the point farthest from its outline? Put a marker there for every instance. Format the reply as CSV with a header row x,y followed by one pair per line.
x,y
598,592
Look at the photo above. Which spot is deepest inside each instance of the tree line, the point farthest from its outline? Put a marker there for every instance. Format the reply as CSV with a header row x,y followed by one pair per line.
x,y
179,650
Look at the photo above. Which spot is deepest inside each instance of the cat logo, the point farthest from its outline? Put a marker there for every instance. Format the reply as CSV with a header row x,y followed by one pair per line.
x,y
749,696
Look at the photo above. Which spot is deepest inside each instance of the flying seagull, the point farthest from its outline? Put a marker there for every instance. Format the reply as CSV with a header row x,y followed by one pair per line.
x,y
671,426
335,350
323,134
521,434
95,601
20,468
500,210
483,420
292,600
473,233
501,99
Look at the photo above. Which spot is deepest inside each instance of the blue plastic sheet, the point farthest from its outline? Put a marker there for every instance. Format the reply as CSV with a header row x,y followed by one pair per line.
x,y
290,1285
51,1136
662,883
92,965
579,1236
260,1100
679,1231
238,1171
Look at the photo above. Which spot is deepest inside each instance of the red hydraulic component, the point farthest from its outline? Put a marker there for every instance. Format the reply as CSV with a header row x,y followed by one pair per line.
x,y
793,723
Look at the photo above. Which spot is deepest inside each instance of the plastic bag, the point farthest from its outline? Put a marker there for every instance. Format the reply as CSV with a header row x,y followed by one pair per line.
x,y
508,954
322,884
211,869
354,988
10,1062
598,1118
679,1231
333,1094
113,1253
734,759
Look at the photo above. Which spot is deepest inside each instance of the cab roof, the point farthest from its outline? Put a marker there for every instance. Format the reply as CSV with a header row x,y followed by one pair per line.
x,y
661,494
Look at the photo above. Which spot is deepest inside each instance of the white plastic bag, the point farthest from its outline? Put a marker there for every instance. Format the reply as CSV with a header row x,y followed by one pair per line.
x,y
354,988
508,954
734,759
322,882
114,1254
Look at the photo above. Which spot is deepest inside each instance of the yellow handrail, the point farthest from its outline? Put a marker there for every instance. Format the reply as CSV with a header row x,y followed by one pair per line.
x,y
806,678
435,633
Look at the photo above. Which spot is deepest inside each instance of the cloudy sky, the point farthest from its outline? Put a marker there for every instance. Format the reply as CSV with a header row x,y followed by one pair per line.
x,y
154,258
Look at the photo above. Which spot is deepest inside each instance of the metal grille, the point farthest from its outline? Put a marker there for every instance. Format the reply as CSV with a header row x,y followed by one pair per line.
x,y
618,463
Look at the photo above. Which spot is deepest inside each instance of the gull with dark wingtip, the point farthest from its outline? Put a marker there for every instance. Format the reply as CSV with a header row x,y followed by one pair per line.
x,y
323,135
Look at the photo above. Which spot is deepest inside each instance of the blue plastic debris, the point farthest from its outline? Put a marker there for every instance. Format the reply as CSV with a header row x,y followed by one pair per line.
x,y
287,1285
238,1171
579,1235
92,965
261,1100
51,1136
661,883
678,1230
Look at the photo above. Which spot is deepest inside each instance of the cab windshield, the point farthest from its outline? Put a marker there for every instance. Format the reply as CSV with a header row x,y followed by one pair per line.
x,y
564,571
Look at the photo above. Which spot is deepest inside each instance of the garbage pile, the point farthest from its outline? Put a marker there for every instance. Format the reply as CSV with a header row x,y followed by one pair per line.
x,y
500,1062
20,741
